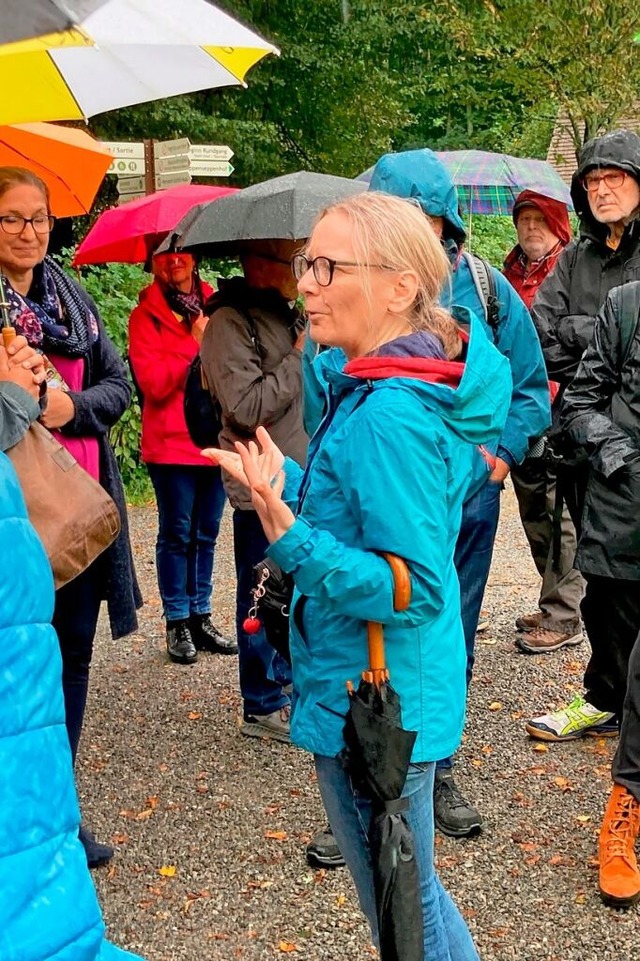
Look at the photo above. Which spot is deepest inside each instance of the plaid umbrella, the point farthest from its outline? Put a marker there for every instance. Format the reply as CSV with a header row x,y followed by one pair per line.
x,y
488,183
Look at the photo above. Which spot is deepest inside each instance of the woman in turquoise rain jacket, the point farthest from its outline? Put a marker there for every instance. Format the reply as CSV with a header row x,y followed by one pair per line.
x,y
419,176
48,905
388,470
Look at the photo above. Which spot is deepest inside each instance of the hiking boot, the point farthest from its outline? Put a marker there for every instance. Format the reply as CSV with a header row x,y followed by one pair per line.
x,y
96,853
619,877
323,851
540,640
180,646
453,813
207,637
529,622
274,725
571,722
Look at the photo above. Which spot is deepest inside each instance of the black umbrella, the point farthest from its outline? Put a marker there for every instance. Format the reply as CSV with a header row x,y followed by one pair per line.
x,y
24,19
379,753
283,208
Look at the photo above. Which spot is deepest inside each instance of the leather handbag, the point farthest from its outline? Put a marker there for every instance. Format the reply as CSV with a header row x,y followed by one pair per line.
x,y
73,515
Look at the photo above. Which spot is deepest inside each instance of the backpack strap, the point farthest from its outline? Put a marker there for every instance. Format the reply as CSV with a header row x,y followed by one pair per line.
x,y
485,284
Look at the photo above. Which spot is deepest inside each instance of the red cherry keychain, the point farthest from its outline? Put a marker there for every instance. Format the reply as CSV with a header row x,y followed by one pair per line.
x,y
252,624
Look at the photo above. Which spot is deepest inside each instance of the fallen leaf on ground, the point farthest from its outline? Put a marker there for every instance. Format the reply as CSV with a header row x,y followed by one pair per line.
x,y
540,747
194,715
287,946
276,835
168,870
495,706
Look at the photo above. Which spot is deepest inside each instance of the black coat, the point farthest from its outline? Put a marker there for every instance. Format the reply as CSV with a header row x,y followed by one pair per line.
x,y
105,395
601,412
567,302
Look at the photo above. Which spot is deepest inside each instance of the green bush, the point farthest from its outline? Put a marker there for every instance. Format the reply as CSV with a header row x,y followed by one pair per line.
x,y
491,237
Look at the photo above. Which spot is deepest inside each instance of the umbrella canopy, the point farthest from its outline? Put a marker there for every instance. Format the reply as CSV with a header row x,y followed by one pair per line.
x,y
126,52
488,183
22,20
379,753
70,161
130,233
283,208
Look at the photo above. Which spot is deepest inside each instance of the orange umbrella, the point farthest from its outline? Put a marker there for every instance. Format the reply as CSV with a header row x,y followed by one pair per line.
x,y
70,161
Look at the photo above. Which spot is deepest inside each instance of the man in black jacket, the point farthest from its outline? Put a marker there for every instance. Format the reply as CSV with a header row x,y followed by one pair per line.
x,y
606,195
601,412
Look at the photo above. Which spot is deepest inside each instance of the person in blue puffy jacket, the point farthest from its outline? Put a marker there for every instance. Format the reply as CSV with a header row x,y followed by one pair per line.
x,y
419,176
388,470
48,906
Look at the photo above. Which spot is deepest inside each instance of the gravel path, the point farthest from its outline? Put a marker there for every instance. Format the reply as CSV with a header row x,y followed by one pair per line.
x,y
210,827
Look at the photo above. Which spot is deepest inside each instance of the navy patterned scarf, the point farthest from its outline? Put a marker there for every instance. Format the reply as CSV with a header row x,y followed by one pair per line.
x,y
53,316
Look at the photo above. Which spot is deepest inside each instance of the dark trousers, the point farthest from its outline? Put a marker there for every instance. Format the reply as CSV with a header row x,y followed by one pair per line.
x,y
75,619
626,763
263,672
611,614
562,586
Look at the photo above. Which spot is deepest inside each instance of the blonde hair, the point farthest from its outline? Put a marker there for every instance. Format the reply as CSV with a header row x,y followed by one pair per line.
x,y
394,232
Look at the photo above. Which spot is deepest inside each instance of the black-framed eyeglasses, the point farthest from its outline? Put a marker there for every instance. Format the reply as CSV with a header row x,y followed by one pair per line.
x,y
41,223
614,179
323,267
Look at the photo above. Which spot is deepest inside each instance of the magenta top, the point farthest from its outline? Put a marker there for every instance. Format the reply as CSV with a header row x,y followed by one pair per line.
x,y
85,449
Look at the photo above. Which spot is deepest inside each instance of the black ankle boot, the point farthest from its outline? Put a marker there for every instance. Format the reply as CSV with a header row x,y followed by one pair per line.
x,y
180,646
97,854
207,637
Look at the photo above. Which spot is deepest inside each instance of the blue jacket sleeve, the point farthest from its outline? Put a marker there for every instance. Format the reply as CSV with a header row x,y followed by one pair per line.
x,y
530,412
404,512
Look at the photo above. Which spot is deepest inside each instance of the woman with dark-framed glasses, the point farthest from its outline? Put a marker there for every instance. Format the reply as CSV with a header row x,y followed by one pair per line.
x,y
388,470
87,392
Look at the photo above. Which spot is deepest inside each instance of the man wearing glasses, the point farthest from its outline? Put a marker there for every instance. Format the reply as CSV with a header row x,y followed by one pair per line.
x,y
606,196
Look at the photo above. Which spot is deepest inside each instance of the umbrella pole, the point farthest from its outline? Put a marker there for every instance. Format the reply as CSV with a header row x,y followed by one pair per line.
x,y
470,225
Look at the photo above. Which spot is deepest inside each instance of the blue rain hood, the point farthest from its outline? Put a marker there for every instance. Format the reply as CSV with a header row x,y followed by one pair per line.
x,y
419,175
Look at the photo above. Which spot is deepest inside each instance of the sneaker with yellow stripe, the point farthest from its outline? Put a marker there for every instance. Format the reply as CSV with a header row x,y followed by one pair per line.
x,y
572,722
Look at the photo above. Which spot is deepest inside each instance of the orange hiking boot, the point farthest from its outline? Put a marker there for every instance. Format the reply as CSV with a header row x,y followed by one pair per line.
x,y
619,875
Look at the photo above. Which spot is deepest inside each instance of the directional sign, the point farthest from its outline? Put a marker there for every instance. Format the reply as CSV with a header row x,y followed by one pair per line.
x,y
172,148
126,168
211,168
130,185
125,198
125,151
172,179
168,164
210,151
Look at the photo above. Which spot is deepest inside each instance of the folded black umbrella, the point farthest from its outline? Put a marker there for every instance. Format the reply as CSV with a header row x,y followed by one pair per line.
x,y
378,751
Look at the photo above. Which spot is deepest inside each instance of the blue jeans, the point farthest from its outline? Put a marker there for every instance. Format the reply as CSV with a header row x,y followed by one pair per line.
x,y
446,936
190,505
472,558
263,672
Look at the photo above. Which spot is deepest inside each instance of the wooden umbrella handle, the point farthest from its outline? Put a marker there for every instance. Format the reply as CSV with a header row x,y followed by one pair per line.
x,y
377,672
8,334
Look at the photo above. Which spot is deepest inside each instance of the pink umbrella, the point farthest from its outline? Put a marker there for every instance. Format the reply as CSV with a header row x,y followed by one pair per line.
x,y
129,234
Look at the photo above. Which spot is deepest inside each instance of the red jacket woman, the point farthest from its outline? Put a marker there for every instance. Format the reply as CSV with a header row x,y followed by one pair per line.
x,y
165,330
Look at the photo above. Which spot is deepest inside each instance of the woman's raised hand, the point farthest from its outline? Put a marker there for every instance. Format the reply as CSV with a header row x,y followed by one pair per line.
x,y
261,472
18,373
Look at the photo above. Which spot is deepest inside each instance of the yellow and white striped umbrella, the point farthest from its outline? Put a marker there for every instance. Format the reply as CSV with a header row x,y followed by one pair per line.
x,y
126,52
